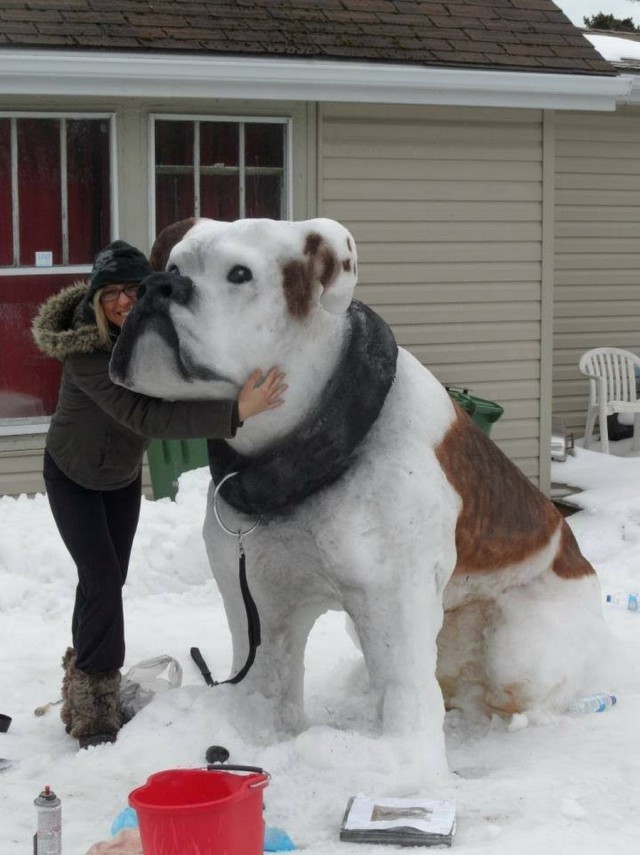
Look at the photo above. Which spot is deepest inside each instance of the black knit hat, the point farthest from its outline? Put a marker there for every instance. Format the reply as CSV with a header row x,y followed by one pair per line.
x,y
119,263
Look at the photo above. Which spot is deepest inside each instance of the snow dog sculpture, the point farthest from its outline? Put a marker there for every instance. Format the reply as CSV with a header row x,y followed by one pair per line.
x,y
378,495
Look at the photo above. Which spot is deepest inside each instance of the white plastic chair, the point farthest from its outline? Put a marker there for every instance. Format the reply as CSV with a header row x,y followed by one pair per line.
x,y
612,389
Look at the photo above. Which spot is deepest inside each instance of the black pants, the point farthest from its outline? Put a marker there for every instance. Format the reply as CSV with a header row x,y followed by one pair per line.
x,y
97,527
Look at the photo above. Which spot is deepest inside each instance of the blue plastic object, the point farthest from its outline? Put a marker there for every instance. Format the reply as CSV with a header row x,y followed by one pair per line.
x,y
277,840
127,818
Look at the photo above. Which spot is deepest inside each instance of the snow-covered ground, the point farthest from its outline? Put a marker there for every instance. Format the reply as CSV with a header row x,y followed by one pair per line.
x,y
554,784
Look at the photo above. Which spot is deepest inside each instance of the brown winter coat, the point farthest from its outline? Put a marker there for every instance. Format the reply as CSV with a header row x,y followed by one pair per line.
x,y
100,431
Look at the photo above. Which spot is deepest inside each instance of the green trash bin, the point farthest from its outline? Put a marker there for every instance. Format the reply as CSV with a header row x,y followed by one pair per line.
x,y
169,458
484,413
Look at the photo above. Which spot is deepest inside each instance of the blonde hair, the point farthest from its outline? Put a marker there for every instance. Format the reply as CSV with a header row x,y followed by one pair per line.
x,y
101,321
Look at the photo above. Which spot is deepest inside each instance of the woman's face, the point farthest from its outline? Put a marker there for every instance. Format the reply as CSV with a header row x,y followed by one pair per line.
x,y
117,301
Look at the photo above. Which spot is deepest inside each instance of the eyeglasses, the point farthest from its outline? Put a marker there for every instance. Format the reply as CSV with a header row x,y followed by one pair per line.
x,y
110,295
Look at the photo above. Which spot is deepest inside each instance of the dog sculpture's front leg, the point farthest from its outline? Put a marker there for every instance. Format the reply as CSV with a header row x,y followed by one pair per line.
x,y
397,626
288,601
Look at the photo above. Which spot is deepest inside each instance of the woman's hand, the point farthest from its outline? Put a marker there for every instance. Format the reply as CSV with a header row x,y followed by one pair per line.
x,y
261,393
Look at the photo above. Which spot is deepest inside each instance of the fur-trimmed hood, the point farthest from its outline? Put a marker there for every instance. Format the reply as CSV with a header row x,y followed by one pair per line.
x,y
61,327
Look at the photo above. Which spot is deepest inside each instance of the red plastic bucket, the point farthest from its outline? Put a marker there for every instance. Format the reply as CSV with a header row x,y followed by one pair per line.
x,y
201,812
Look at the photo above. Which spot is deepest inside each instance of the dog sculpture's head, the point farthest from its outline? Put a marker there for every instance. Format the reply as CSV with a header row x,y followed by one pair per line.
x,y
232,296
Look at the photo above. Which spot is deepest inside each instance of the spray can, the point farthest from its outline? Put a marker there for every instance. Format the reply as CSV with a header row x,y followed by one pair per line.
x,y
48,838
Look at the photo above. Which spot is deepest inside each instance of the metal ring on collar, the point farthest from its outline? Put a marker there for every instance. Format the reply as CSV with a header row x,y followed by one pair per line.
x,y
237,532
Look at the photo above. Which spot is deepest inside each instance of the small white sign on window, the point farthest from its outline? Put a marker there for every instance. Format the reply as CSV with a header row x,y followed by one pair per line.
x,y
44,258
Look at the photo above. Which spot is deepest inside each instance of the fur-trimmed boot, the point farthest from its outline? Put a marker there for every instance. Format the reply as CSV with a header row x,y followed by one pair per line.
x,y
68,660
94,706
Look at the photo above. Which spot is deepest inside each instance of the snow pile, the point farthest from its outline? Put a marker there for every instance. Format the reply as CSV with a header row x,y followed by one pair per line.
x,y
564,784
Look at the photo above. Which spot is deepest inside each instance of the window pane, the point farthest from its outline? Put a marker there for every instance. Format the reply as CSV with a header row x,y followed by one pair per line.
x,y
264,159
174,199
88,188
263,196
28,380
219,143
39,189
219,174
174,172
264,145
6,228
174,143
220,197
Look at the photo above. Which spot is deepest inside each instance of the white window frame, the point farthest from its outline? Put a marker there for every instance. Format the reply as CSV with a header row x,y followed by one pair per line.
x,y
40,424
287,201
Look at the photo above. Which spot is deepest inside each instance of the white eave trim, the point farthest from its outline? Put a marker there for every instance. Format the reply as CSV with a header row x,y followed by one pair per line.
x,y
633,95
95,73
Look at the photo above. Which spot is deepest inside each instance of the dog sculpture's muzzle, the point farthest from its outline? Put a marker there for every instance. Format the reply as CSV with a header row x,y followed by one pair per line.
x,y
158,290
151,315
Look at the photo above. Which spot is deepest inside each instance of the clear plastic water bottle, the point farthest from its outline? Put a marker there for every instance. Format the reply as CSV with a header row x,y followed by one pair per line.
x,y
628,601
592,703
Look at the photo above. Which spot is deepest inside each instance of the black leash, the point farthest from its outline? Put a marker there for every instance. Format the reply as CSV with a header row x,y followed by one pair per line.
x,y
253,618
253,627
198,658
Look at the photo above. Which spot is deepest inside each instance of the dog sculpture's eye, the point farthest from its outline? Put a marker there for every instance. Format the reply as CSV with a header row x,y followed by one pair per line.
x,y
239,274
173,269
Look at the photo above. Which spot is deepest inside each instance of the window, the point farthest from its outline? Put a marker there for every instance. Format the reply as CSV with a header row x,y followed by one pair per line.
x,y
223,168
55,214
54,190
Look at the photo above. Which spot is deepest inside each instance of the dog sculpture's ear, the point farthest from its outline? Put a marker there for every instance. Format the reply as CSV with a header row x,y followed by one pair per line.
x,y
336,263
166,240
330,259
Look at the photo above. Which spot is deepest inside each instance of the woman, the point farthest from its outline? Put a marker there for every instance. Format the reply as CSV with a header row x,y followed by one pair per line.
x,y
92,470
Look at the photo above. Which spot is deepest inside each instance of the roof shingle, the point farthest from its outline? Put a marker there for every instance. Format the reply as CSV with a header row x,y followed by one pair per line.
x,y
511,34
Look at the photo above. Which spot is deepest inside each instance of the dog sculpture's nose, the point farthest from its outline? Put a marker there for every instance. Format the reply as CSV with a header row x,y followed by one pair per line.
x,y
158,289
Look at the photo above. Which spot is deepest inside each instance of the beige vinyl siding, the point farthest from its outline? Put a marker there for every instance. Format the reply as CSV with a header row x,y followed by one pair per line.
x,y
597,247
445,205
21,466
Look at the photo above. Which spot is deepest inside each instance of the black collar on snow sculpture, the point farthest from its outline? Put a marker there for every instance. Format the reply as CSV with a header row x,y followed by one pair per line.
x,y
322,448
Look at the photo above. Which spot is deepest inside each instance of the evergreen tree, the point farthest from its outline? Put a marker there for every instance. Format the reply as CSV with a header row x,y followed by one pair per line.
x,y
610,22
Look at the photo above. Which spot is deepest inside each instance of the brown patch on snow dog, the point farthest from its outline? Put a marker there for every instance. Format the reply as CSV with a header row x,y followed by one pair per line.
x,y
299,277
504,519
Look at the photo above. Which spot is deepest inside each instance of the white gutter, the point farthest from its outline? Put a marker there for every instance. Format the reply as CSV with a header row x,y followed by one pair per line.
x,y
95,73
633,95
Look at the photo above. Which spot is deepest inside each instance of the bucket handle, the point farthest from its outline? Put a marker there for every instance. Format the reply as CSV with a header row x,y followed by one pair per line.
x,y
226,767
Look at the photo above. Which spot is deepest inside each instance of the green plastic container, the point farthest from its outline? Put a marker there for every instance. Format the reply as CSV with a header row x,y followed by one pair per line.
x,y
169,458
484,413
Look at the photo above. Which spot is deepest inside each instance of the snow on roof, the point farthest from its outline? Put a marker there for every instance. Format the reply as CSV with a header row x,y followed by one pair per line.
x,y
618,49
